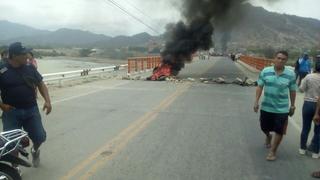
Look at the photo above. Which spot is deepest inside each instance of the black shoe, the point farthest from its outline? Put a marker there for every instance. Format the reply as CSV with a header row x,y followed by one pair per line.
x,y
35,157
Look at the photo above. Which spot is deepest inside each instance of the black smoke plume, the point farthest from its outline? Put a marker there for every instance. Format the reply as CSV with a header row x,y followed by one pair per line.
x,y
195,32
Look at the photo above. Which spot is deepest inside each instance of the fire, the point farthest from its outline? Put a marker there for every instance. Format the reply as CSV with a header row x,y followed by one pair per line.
x,y
161,72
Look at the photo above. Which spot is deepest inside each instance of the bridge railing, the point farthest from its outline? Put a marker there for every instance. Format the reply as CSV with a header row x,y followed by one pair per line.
x,y
141,64
79,74
256,62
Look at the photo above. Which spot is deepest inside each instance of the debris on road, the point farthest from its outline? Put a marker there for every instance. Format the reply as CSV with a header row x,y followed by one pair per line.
x,y
242,82
191,79
219,80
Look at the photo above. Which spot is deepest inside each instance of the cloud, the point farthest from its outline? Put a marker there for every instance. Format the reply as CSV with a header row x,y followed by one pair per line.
x,y
100,16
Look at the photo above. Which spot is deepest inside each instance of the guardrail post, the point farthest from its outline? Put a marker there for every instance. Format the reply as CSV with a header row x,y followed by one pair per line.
x,y
129,66
136,66
142,66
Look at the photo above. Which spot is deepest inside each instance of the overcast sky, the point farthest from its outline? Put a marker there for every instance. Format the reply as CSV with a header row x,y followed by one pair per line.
x,y
100,16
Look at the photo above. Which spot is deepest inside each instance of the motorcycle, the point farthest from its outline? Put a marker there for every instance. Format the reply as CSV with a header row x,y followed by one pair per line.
x,y
12,141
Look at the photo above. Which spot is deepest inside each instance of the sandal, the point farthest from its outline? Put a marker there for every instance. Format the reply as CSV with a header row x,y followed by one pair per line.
x,y
271,157
316,174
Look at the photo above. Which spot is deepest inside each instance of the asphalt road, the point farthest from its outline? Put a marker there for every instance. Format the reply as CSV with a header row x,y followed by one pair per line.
x,y
118,130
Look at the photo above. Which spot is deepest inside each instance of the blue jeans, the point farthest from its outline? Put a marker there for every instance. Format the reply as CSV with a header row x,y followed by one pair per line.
x,y
308,111
29,119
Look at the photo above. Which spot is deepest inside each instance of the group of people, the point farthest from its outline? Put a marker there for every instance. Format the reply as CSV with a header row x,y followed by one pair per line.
x,y
278,83
19,80
30,61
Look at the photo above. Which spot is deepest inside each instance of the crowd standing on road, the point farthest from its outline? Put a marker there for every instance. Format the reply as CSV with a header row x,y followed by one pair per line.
x,y
18,81
276,81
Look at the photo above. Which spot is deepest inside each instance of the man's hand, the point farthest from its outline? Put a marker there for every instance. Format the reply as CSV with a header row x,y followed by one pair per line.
x,y
47,107
316,119
256,107
6,107
291,110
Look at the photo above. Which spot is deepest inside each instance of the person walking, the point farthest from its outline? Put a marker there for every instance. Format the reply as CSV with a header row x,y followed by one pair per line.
x,y
19,105
311,86
316,120
276,81
303,67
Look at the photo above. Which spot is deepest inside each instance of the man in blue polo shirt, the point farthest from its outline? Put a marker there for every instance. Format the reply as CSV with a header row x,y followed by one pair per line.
x,y
278,82
303,67
18,81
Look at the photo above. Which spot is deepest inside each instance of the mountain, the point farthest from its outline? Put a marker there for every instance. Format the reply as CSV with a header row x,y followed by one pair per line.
x,y
123,41
61,37
10,30
255,27
260,28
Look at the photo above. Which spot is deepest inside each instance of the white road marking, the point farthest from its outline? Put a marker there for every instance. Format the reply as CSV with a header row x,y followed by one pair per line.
x,y
85,94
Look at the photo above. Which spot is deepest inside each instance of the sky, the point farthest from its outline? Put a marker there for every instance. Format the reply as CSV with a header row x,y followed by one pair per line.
x,y
102,17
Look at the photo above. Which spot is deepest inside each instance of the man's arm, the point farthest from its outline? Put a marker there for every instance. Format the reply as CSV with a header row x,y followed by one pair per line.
x,y
316,117
292,100
45,94
5,107
258,95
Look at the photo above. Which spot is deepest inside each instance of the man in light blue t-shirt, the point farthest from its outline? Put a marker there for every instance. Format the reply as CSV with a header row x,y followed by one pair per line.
x,y
278,83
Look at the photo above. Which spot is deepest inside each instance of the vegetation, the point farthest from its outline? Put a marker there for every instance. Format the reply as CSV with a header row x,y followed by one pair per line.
x,y
85,52
39,54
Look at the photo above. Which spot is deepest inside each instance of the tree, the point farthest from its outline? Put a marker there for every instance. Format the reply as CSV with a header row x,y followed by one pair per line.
x,y
85,52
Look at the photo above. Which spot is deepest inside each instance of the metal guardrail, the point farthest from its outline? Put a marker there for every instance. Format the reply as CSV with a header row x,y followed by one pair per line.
x,y
79,74
256,62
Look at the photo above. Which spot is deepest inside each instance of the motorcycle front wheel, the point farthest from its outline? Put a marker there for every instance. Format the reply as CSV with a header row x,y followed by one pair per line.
x,y
8,173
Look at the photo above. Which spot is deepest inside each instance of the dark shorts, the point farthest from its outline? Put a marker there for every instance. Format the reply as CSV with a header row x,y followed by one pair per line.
x,y
28,119
273,122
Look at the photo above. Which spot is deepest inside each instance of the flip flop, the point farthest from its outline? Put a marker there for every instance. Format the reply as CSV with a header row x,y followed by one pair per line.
x,y
271,157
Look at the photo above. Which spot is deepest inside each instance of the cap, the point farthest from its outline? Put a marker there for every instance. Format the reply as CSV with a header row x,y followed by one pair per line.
x,y
17,49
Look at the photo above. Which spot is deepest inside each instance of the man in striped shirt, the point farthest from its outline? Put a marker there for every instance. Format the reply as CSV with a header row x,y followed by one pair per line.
x,y
278,83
